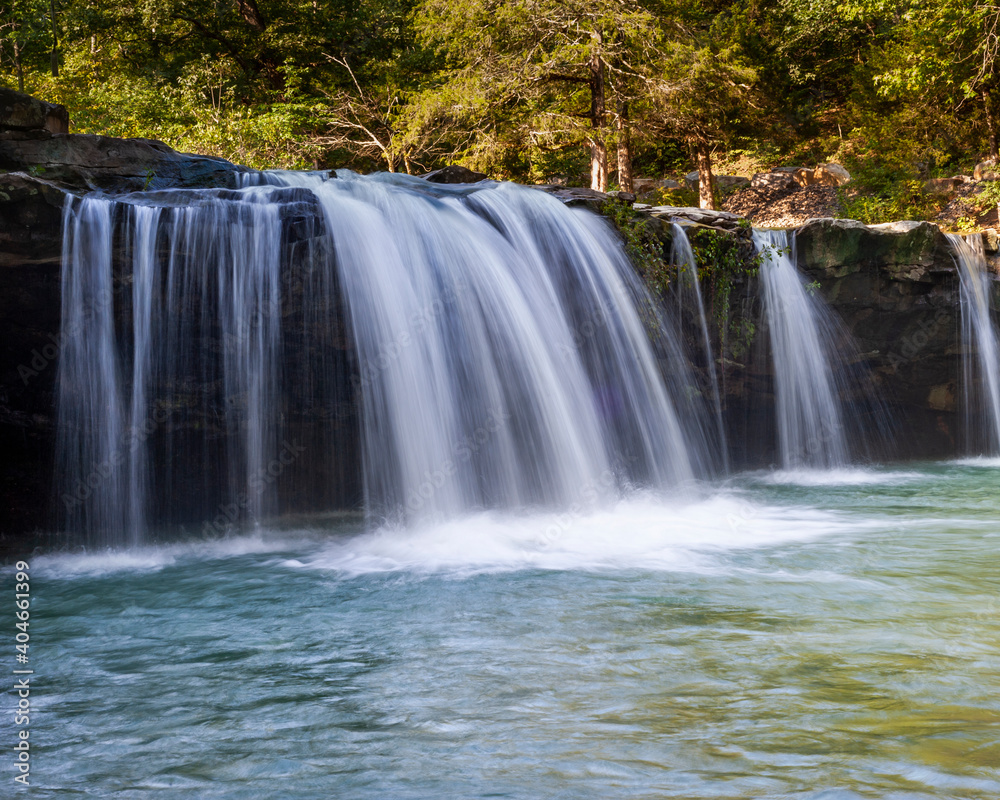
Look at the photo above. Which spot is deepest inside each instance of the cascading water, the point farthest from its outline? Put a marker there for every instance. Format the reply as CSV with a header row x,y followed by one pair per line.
x,y
499,352
810,426
688,290
981,351
212,287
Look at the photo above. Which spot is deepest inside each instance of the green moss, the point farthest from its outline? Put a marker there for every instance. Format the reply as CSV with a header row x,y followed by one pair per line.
x,y
724,260
645,243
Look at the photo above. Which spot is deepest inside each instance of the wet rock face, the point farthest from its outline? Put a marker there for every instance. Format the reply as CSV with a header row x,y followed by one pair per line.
x,y
30,250
454,173
44,165
896,288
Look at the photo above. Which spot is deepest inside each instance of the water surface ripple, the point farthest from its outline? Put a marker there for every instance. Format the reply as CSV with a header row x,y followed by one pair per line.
x,y
773,639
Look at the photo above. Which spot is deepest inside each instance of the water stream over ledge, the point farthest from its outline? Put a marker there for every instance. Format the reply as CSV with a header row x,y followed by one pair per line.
x,y
484,545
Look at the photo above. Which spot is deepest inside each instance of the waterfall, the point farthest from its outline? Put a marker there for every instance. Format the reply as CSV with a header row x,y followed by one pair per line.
x,y
306,343
90,407
809,419
688,291
980,351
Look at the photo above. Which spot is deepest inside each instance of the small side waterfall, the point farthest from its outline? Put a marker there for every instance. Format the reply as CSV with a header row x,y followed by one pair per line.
x,y
810,425
689,295
981,351
245,353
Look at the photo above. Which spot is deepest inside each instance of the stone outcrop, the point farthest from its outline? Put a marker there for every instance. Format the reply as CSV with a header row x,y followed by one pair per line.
x,y
83,162
776,180
895,287
21,112
35,138
831,174
30,254
454,173
40,166
986,171
721,220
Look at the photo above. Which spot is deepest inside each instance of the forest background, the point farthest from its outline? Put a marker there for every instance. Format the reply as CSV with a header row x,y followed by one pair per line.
x,y
587,93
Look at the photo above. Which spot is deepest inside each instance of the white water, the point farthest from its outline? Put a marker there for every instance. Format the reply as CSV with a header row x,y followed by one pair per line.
x,y
501,344
980,352
90,410
527,377
688,290
810,425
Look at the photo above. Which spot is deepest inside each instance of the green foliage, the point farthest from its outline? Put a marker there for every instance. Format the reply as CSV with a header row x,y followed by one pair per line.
x,y
988,195
897,90
643,244
724,261
893,201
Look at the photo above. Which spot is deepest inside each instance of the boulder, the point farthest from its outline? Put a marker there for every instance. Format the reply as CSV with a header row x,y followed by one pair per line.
x,y
831,174
83,162
576,196
21,112
646,185
780,180
722,182
943,187
985,171
698,216
454,173
991,241
623,197
727,182
804,177
906,250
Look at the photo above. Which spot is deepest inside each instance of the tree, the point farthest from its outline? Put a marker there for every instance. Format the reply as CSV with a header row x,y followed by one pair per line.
x,y
527,77
945,58
27,32
700,88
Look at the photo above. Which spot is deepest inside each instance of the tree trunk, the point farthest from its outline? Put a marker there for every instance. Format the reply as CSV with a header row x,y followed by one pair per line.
x,y
54,64
17,65
706,183
598,150
991,126
624,148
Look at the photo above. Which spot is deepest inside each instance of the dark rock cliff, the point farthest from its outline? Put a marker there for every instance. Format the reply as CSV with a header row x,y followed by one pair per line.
x,y
894,287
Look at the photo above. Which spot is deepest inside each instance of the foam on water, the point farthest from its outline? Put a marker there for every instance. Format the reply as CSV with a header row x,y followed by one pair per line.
x,y
837,477
152,558
978,461
642,531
